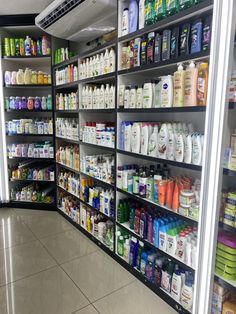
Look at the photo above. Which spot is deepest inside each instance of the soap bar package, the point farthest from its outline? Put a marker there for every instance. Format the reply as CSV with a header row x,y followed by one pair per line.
x,y
184,39
196,36
166,44
174,43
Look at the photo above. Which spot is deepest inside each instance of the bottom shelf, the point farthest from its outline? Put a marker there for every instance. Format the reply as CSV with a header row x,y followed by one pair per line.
x,y
31,205
229,284
156,289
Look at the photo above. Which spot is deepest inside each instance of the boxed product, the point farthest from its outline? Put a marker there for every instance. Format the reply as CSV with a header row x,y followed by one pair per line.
x,y
220,294
229,306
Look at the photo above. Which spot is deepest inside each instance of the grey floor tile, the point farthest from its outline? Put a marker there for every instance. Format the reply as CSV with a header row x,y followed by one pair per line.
x,y
97,274
7,216
133,299
68,245
49,292
87,310
23,260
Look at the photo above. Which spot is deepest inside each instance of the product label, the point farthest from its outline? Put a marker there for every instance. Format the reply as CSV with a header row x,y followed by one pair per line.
x,y
135,184
201,89
206,37
159,7
165,281
170,4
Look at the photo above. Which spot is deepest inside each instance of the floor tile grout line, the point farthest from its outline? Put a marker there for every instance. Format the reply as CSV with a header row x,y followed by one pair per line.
x,y
28,276
75,258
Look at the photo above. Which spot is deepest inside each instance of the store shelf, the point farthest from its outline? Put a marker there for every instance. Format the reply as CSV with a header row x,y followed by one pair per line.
x,y
26,110
160,160
104,78
228,172
65,63
97,146
27,57
227,227
232,105
67,111
86,233
95,209
31,135
29,86
68,140
32,205
68,168
72,85
229,284
165,64
29,158
98,49
163,209
110,110
98,181
174,259
164,110
64,190
194,11
30,180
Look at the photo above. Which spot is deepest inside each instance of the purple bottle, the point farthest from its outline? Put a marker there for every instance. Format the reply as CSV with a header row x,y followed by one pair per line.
x,y
24,103
150,229
37,103
20,103
143,225
17,103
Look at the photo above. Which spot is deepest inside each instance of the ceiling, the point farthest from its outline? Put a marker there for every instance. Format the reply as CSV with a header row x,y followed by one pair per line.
x,y
23,6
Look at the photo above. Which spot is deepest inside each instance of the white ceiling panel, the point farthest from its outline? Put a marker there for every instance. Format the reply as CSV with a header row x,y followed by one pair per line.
x,y
23,6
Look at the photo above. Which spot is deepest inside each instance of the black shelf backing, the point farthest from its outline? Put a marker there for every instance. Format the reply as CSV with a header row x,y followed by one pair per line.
x,y
97,146
27,57
164,110
166,63
227,227
31,205
29,86
232,105
67,111
158,207
225,284
73,85
183,265
204,7
25,135
159,160
109,110
228,172
68,140
98,49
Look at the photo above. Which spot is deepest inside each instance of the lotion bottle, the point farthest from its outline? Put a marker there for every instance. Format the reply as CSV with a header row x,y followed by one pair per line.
x,y
171,143
179,80
167,91
176,286
190,85
141,14
144,139
135,138
147,95
152,144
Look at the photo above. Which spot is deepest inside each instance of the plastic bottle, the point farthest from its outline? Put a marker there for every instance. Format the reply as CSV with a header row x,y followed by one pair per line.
x,y
150,47
133,252
141,14
172,7
144,139
179,88
139,98
190,93
160,9
133,16
143,225
163,141
27,46
143,263
167,91
120,246
112,60
135,138
147,95
125,22
176,286
126,250
202,84
149,12
152,144
187,294
196,36
143,51
196,149
184,4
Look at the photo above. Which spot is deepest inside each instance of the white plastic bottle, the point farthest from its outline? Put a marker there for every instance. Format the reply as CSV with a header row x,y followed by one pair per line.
x,y
133,97
121,96
187,148
167,91
176,286
179,147
135,138
112,60
144,138
163,140
102,97
152,144
190,85
139,98
126,250
127,137
179,80
171,143
106,96
196,149
187,294
127,97
141,16
125,22
111,100
147,95
106,62
157,94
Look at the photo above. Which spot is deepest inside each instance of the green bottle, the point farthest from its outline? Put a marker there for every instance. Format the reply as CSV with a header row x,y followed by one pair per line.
x,y
149,12
120,215
184,4
172,7
160,9
131,217
120,246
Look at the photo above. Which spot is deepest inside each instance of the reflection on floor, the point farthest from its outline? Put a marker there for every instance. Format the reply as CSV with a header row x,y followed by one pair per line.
x,y
48,267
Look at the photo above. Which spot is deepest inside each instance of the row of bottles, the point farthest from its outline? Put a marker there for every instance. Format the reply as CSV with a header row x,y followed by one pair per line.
x,y
36,173
29,126
32,193
62,54
68,156
98,97
66,75
67,101
69,181
28,103
32,150
67,128
27,77
70,206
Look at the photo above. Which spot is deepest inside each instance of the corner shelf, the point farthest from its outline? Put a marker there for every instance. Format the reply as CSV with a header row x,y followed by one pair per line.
x,y
160,160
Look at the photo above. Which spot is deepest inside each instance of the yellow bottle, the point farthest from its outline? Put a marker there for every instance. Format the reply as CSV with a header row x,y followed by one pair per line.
x,y
179,79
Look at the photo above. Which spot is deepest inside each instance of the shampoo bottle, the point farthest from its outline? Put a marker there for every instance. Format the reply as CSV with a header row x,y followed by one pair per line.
x,y
190,85
167,91
144,139
141,16
179,80
135,138
152,144
133,16
176,285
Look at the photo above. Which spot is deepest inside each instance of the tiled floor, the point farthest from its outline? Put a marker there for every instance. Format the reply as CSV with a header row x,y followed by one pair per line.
x,y
48,267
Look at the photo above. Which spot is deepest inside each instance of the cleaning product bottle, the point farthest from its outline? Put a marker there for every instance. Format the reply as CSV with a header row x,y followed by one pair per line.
x,y
202,84
133,16
190,85
179,88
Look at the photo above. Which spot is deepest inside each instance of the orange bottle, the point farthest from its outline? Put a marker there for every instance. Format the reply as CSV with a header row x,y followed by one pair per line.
x,y
175,204
162,184
202,84
169,192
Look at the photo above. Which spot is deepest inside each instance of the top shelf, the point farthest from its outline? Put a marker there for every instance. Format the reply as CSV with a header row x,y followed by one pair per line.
x,y
27,57
25,61
203,7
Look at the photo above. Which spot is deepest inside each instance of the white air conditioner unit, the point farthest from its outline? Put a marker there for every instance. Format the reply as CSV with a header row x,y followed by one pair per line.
x,y
78,20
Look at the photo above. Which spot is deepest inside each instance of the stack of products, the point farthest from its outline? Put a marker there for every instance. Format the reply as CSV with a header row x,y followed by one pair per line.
x,y
157,269
69,181
67,101
99,198
27,47
185,88
99,64
67,75
33,173
29,126
70,206
99,226
228,208
32,193
232,87
226,256
98,97
171,141
220,295
62,54
68,156
230,154
32,150
167,233
98,133
30,103
156,47
27,77
67,128
147,12
99,166
179,194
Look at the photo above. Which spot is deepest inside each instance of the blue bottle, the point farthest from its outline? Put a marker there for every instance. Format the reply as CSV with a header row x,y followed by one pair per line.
x,y
133,16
